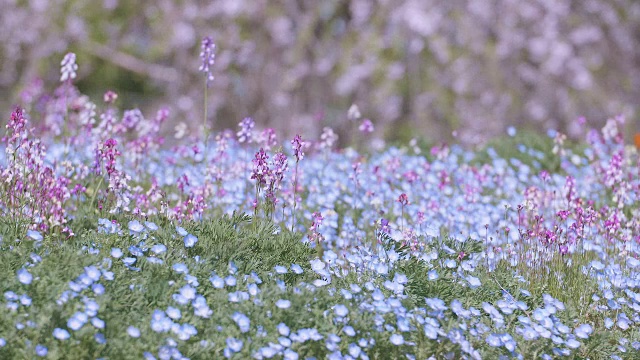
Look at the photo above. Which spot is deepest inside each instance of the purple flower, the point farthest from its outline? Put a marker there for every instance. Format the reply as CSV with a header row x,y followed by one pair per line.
x,y
297,144
261,171
366,126
245,134
207,56
68,67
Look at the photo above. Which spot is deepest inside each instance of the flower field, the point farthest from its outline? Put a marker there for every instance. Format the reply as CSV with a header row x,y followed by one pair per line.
x,y
237,244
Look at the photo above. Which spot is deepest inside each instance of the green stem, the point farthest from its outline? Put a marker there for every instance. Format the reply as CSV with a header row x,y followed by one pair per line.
x,y
204,123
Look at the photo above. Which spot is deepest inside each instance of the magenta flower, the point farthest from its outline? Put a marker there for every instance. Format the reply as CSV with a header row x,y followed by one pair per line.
x,y
366,126
245,134
297,144
207,56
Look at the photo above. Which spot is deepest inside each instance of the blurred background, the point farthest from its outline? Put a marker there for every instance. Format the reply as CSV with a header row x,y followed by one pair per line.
x,y
414,67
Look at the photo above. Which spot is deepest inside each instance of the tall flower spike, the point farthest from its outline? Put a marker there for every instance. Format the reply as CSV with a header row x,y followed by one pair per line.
x,y
246,130
207,56
68,67
297,144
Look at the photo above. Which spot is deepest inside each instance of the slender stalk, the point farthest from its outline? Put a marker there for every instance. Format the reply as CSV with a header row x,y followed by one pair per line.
x,y
204,123
295,188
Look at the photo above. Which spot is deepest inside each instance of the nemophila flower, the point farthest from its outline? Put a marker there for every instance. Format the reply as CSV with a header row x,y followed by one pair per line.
x,y
296,269
340,310
192,280
185,331
133,331
207,56
397,339
608,323
135,227
217,281
108,275
77,321
129,261
230,280
432,275
474,282
158,249
181,231
173,313
279,269
180,268
349,330
190,240
116,253
283,304
92,273
25,300
24,276
233,344
68,67
34,235
97,323
41,350
242,321
60,334
150,226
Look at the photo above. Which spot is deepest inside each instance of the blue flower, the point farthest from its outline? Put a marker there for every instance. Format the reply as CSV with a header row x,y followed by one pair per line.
x,y
242,321
135,227
234,344
60,334
397,339
283,329
217,281
296,269
474,282
280,269
97,323
230,280
173,313
349,331
116,253
151,226
283,304
432,275
100,338
158,249
41,350
98,289
341,310
34,235
181,231
92,272
3,342
180,268
190,240
77,321
494,340
185,331
188,292
25,300
24,276
583,331
133,331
